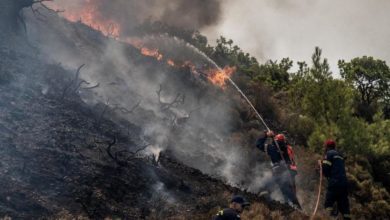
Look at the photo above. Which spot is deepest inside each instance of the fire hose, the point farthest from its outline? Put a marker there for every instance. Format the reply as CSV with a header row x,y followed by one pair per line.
x,y
319,193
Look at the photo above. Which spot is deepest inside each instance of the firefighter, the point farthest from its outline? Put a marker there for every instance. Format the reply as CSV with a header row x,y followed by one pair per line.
x,y
333,168
237,206
281,171
289,157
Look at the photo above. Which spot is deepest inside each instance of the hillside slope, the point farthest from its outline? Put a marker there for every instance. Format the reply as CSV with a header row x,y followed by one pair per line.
x,y
62,157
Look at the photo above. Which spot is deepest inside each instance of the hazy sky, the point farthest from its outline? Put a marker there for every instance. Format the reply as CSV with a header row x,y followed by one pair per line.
x,y
273,29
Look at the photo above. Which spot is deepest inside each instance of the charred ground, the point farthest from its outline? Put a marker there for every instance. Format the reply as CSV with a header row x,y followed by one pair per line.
x,y
62,158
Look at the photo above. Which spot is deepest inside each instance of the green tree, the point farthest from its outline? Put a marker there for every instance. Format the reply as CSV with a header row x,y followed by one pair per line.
x,y
316,94
226,53
371,77
276,74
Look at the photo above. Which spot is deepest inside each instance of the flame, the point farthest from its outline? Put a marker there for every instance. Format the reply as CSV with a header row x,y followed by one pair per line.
x,y
190,65
90,15
219,77
152,53
171,62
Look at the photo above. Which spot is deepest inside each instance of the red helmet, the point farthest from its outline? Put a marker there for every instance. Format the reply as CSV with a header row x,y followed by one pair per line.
x,y
330,144
280,138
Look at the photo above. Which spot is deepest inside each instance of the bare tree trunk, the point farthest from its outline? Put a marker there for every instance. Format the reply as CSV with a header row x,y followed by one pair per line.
x,y
10,11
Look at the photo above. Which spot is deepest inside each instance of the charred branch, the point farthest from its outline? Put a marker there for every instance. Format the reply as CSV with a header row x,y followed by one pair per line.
x,y
87,83
72,82
79,85
178,100
114,156
131,154
116,107
109,148
123,157
125,110
75,84
91,87
36,10
41,3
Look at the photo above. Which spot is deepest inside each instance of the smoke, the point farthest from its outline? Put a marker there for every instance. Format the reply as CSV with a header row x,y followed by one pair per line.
x,y
271,29
189,14
198,131
267,29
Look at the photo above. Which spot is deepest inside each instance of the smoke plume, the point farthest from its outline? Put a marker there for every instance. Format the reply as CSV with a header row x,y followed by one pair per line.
x,y
189,14
197,131
271,29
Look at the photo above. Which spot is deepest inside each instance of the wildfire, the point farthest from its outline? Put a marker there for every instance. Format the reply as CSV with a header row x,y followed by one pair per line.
x,y
190,65
219,77
171,62
152,53
89,15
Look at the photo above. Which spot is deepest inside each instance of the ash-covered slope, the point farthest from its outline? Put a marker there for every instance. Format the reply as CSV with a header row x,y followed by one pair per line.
x,y
56,161
84,143
178,110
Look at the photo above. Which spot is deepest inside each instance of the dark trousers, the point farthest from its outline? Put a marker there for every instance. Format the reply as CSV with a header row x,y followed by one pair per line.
x,y
286,184
339,195
293,173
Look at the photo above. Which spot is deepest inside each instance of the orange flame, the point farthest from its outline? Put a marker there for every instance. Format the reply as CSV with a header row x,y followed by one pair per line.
x,y
152,53
90,15
219,77
189,64
171,62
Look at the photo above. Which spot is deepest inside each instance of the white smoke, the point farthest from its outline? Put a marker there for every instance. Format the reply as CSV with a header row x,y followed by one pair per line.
x,y
202,141
271,29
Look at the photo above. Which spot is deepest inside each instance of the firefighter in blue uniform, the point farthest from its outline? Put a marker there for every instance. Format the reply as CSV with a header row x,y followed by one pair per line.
x,y
283,165
289,158
333,168
237,206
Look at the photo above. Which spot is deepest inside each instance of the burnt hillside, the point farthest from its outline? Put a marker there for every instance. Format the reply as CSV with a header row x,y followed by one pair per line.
x,y
68,150
55,160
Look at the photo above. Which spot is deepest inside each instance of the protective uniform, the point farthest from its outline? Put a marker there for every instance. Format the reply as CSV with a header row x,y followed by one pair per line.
x,y
333,168
280,170
289,158
227,214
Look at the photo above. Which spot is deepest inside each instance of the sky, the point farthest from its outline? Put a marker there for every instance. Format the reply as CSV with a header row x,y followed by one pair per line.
x,y
273,29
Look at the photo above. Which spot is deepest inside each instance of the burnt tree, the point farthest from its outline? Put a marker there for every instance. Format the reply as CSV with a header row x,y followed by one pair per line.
x,y
11,18
10,14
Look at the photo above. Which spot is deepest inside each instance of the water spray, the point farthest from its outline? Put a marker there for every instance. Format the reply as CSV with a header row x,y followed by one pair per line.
x,y
241,93
233,84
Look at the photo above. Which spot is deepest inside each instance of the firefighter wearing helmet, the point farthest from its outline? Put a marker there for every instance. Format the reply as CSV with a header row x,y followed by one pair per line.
x,y
289,157
283,164
333,168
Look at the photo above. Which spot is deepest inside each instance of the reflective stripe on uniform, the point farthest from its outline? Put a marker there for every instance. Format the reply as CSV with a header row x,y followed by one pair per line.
x,y
275,165
329,209
220,213
327,162
338,157
347,216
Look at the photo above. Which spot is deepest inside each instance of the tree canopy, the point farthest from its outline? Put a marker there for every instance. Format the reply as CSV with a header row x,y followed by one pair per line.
x,y
371,77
